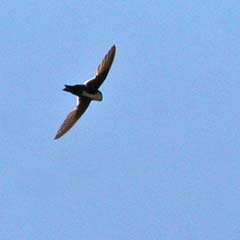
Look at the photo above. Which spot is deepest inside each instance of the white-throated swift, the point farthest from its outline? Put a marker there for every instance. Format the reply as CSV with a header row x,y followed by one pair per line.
x,y
87,92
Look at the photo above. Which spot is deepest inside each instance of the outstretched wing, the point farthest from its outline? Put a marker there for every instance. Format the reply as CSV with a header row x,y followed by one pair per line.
x,y
73,116
102,70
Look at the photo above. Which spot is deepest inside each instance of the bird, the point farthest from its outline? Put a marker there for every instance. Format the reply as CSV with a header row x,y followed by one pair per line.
x,y
86,92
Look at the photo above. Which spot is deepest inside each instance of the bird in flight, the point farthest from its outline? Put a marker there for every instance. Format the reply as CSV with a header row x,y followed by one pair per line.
x,y
86,92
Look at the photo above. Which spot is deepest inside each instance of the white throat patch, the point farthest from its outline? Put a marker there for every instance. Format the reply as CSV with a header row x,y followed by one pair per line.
x,y
97,96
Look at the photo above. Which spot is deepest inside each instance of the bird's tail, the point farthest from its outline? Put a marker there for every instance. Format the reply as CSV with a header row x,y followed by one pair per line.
x,y
76,89
68,88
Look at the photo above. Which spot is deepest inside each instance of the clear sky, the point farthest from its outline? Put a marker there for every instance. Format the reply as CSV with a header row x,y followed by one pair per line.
x,y
159,158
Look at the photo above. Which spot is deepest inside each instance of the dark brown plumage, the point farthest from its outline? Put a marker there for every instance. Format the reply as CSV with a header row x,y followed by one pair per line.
x,y
87,92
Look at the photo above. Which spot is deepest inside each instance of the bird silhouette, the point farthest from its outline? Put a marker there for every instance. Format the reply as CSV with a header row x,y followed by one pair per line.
x,y
86,92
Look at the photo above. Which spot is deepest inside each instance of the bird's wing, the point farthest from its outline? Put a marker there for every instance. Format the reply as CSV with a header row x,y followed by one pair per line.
x,y
73,116
102,70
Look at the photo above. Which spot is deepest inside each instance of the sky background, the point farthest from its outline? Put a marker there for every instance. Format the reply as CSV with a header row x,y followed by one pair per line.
x,y
158,158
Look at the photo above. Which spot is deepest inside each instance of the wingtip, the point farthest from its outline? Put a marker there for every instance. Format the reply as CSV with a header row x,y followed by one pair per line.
x,y
56,137
59,134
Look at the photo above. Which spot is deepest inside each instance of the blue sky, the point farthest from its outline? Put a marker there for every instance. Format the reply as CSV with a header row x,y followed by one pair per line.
x,y
158,158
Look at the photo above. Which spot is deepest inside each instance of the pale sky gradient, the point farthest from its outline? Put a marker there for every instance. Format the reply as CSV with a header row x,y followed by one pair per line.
x,y
159,158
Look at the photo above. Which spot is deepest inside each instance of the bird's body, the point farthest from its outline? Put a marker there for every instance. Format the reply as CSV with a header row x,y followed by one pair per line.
x,y
87,92
82,90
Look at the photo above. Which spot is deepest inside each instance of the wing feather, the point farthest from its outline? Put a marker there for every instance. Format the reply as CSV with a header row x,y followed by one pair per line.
x,y
73,116
102,70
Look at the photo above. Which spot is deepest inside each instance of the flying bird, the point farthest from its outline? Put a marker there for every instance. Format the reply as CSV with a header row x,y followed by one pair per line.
x,y
86,92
